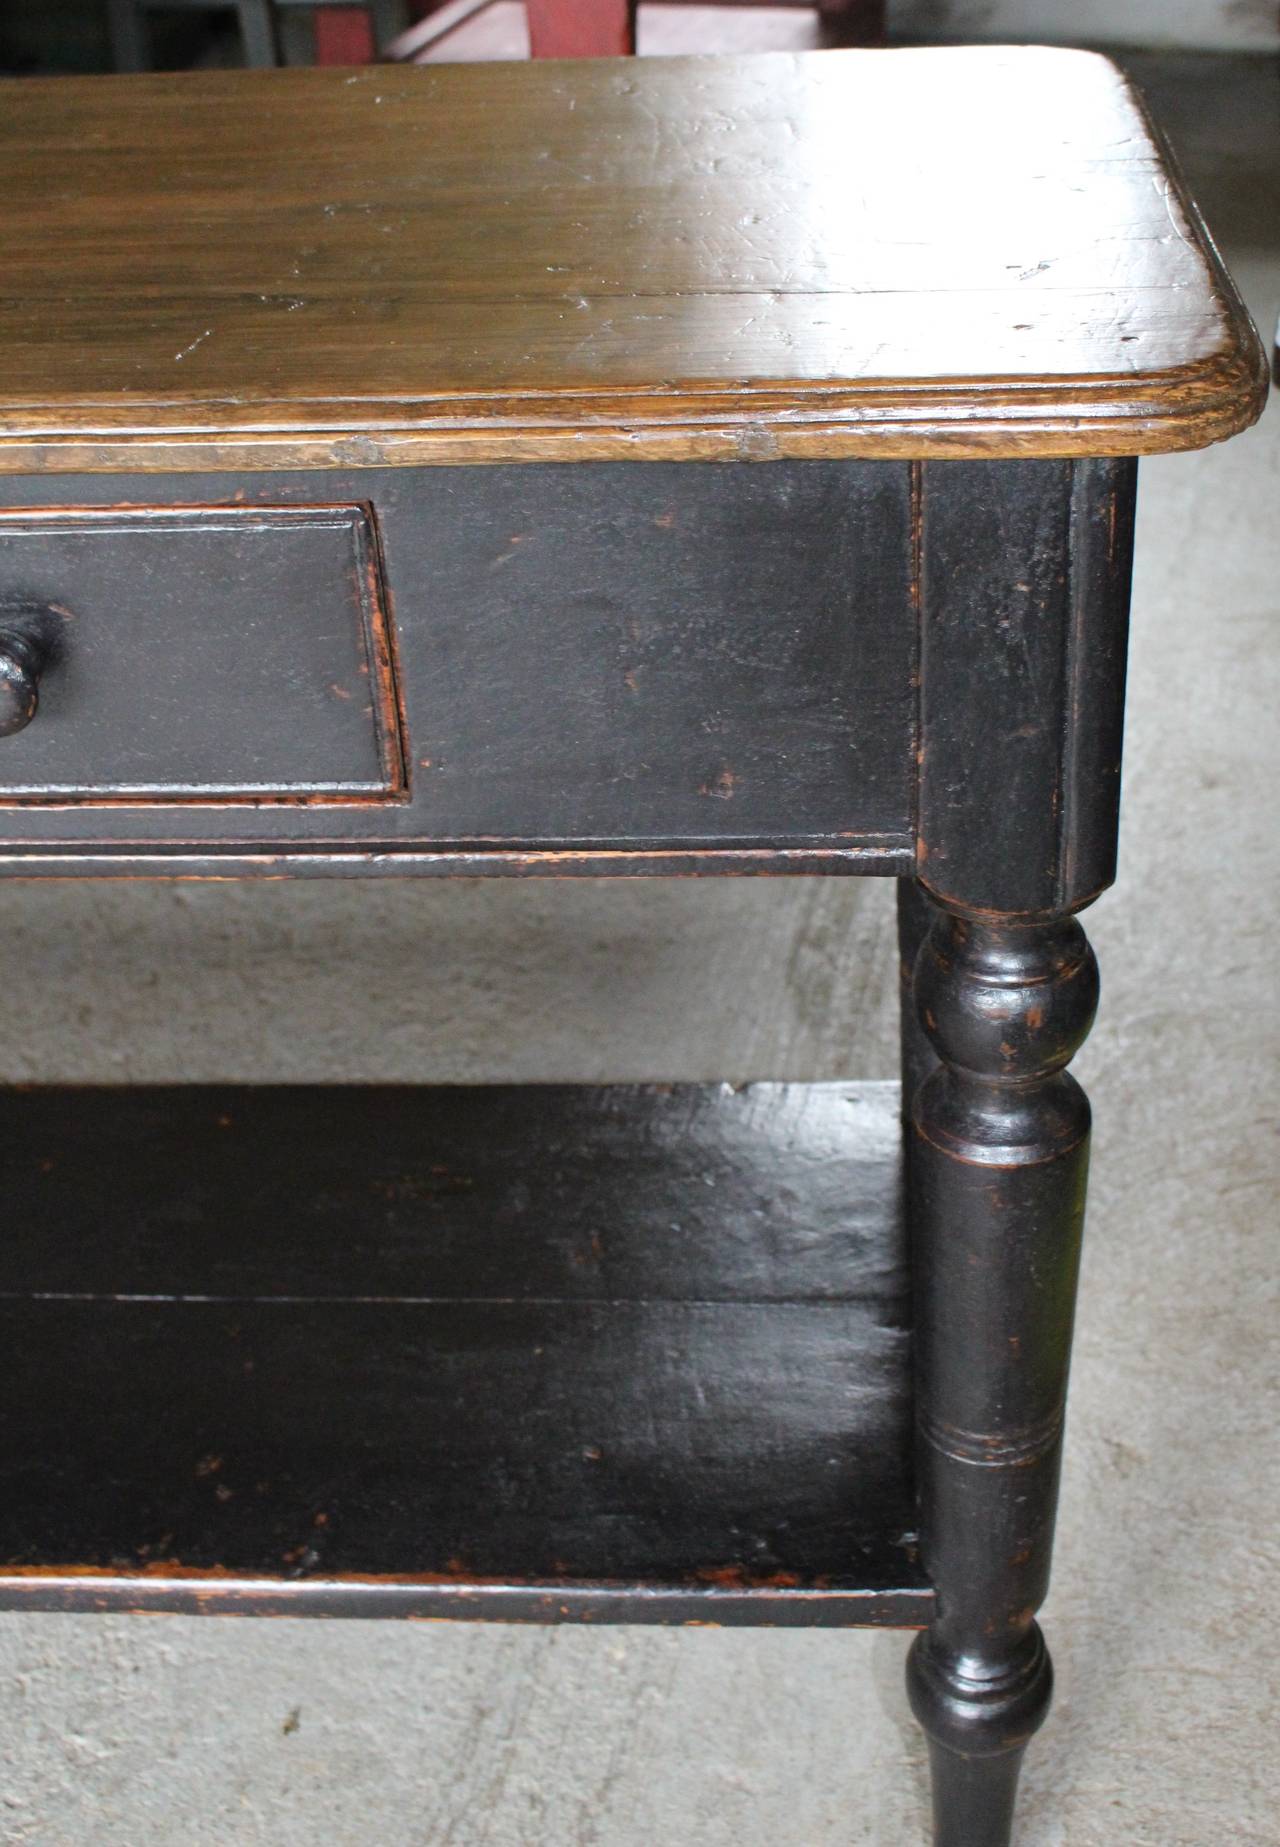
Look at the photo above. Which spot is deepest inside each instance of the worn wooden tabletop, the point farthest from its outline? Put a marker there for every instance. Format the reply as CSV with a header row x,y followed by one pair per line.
x,y
909,252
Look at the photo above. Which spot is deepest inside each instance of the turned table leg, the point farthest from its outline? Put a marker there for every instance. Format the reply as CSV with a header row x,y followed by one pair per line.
x,y
998,1155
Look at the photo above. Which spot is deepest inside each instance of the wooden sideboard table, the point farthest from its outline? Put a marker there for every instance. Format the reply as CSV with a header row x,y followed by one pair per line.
x,y
707,466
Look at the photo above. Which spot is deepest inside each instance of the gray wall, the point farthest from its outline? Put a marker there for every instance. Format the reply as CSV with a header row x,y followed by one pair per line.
x,y
1235,25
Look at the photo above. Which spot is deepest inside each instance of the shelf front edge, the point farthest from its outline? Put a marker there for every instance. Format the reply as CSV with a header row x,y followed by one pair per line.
x,y
907,1606
891,861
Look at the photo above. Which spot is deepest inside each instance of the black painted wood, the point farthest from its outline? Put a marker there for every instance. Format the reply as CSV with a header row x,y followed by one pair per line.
x,y
634,1192
600,1352
629,1354
1025,598
917,1056
998,1160
668,657
612,669
632,1354
289,860
202,654
1024,595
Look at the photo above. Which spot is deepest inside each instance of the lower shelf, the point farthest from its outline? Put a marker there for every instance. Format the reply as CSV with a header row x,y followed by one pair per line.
x,y
630,1353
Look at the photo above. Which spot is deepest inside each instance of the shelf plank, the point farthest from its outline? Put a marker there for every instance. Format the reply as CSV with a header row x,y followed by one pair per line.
x,y
619,1353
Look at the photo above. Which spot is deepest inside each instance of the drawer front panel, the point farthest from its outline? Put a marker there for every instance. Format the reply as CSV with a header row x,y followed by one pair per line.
x,y
201,654
590,659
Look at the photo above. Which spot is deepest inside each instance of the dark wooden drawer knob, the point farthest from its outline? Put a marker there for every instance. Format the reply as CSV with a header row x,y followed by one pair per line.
x,y
29,638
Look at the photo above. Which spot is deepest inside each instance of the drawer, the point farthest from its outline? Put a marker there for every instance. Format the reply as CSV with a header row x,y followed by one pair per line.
x,y
189,654
612,667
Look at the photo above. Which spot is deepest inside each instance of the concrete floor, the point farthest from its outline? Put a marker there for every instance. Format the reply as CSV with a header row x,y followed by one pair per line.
x,y
121,1733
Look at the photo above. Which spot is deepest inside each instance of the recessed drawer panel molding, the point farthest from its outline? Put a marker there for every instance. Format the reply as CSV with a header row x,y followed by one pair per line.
x,y
188,654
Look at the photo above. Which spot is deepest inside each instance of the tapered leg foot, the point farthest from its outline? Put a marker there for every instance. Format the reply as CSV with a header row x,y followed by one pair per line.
x,y
977,1714
973,1798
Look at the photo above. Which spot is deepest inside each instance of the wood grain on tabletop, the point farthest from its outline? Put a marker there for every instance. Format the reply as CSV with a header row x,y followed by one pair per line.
x,y
920,252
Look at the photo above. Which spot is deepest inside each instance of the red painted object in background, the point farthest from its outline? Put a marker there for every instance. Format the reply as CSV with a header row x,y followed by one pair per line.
x,y
344,35
581,28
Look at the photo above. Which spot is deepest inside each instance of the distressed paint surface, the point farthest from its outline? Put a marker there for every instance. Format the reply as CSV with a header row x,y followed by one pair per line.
x,y
612,1353
272,1734
596,668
